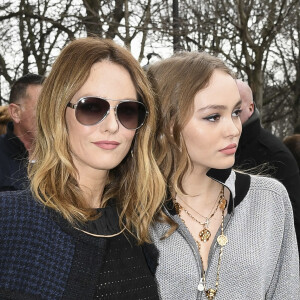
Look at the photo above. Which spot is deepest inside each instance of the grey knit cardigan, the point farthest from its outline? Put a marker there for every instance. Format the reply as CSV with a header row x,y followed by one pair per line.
x,y
261,259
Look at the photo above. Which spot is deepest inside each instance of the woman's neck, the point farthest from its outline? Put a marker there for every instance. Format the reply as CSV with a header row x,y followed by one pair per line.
x,y
201,191
92,184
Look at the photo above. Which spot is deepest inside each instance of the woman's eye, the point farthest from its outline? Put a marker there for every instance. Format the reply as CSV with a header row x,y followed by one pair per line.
x,y
237,112
213,118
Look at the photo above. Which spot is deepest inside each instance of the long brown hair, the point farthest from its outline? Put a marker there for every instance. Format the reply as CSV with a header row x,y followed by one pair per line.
x,y
4,118
136,183
176,81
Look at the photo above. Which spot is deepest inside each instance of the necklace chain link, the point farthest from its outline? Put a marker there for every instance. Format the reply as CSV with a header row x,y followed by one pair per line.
x,y
222,241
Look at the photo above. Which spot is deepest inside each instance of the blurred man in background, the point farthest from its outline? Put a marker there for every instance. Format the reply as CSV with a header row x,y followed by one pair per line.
x,y
293,143
16,144
262,151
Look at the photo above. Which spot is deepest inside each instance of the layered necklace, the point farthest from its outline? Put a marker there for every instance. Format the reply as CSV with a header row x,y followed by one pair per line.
x,y
204,236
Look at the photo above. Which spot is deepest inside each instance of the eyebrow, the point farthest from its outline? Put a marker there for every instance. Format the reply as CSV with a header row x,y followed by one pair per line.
x,y
105,98
222,107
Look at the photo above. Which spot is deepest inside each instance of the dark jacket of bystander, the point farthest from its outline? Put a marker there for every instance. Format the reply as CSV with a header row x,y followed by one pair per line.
x,y
13,162
261,150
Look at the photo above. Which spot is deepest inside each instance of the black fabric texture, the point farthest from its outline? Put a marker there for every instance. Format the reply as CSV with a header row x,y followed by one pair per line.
x,y
151,254
124,273
42,256
265,154
13,162
242,186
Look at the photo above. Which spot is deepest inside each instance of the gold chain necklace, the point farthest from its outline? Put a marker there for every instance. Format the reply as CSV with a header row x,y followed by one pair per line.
x,y
197,211
204,234
222,241
100,235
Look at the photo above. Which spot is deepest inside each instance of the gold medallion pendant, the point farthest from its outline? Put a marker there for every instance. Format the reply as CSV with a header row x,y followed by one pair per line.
x,y
210,293
204,235
222,240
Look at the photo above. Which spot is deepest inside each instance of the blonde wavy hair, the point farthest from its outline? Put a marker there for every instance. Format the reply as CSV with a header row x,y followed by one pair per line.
x,y
176,81
136,183
4,118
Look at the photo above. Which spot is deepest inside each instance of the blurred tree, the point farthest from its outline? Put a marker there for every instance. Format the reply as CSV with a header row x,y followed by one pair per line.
x,y
244,33
288,66
258,38
34,32
32,35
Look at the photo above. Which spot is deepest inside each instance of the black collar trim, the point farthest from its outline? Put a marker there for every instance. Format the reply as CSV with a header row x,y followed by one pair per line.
x,y
242,184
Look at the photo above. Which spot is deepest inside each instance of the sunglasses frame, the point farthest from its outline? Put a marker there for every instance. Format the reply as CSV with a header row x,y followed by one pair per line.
x,y
74,106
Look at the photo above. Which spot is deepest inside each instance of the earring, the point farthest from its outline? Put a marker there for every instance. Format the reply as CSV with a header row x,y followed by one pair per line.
x,y
131,152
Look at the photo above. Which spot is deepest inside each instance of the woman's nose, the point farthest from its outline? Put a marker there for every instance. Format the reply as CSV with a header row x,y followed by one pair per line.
x,y
233,127
110,123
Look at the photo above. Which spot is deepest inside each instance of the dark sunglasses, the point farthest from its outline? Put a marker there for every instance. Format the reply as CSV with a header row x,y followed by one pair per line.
x,y
92,110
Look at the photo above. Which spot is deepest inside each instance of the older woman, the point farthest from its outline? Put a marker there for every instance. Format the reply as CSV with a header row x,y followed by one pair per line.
x,y
94,184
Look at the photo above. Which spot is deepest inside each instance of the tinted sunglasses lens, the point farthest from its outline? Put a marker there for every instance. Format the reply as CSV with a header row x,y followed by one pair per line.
x,y
91,111
131,114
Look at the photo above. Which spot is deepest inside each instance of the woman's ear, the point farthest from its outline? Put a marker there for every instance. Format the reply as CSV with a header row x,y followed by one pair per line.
x,y
15,112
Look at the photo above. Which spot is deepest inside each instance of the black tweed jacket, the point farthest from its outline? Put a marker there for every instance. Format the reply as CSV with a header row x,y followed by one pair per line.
x,y
43,257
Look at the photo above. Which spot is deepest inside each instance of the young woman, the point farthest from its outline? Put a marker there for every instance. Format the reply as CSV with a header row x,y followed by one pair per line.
x,y
225,235
95,185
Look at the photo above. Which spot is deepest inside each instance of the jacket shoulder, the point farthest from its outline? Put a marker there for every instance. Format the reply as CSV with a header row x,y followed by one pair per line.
x,y
19,202
33,248
273,144
266,183
269,190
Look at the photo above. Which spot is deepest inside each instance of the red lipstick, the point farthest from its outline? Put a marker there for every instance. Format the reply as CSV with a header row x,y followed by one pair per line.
x,y
107,145
230,149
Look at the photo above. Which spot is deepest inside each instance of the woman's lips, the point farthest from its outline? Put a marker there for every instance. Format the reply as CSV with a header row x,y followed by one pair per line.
x,y
230,149
107,145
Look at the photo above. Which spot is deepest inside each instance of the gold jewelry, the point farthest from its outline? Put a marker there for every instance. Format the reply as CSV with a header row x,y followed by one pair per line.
x,y
100,235
179,208
222,241
197,211
204,234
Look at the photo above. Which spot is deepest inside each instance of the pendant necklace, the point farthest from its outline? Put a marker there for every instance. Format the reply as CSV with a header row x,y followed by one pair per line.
x,y
222,240
204,234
